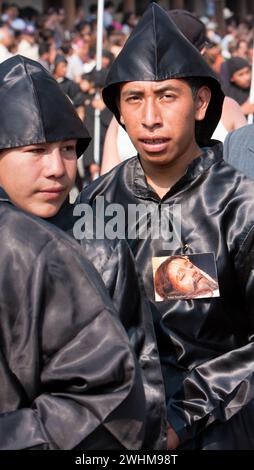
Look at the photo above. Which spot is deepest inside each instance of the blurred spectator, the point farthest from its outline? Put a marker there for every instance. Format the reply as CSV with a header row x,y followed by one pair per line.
x,y
129,22
250,52
212,34
239,74
92,168
107,59
80,15
191,26
87,87
10,12
92,13
46,35
229,37
55,20
69,87
29,14
239,48
214,57
108,14
6,41
116,41
44,55
88,56
27,45
74,62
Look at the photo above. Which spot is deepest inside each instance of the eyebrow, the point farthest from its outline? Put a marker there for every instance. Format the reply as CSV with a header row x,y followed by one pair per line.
x,y
159,90
186,262
42,144
167,88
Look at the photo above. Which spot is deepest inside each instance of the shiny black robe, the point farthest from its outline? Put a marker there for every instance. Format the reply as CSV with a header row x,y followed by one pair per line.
x,y
206,345
69,378
115,264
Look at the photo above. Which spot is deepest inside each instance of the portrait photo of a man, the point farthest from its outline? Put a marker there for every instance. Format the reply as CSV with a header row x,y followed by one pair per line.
x,y
185,277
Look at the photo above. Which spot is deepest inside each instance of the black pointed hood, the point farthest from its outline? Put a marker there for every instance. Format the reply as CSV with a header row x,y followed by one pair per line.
x,y
33,108
156,50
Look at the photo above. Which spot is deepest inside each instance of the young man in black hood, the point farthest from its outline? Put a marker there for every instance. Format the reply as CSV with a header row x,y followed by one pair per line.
x,y
66,340
191,203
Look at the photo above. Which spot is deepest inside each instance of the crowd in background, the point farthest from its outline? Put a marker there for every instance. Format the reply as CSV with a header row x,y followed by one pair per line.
x,y
70,55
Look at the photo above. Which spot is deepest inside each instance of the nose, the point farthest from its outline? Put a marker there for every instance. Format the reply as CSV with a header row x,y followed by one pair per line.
x,y
151,116
55,164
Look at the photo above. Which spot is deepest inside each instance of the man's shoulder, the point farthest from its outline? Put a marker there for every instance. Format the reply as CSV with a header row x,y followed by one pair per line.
x,y
239,150
27,232
240,135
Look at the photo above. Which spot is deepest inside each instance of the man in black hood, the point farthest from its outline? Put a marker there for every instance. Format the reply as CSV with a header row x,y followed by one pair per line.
x,y
41,137
180,198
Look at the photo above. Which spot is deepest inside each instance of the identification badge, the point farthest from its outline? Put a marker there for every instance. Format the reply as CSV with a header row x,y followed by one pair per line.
x,y
185,277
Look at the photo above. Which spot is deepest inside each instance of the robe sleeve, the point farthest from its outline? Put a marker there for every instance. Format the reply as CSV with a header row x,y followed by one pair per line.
x,y
70,369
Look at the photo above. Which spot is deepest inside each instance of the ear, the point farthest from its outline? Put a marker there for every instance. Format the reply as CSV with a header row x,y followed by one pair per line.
x,y
202,101
119,106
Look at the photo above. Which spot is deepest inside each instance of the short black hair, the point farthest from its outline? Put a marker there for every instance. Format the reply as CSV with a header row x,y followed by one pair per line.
x,y
195,83
93,8
43,48
109,5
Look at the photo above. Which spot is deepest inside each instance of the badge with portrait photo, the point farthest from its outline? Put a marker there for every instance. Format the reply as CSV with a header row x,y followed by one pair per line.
x,y
185,277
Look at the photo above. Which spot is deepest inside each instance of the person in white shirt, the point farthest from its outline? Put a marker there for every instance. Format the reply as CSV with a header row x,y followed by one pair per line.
x,y
6,41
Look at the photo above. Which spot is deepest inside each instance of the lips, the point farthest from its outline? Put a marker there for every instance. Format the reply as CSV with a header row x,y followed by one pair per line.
x,y
52,190
154,144
52,193
154,141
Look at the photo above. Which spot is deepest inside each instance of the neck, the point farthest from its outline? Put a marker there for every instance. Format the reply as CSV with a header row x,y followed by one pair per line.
x,y
162,177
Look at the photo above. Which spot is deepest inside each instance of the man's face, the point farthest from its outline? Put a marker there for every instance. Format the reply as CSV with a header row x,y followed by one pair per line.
x,y
38,178
187,278
160,118
242,49
61,70
242,78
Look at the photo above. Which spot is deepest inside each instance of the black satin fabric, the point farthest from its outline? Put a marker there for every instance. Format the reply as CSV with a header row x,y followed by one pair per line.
x,y
69,377
34,110
157,50
205,345
115,264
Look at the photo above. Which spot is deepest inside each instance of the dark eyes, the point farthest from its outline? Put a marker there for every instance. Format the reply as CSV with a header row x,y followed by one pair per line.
x,y
35,150
136,98
69,148
168,96
44,150
132,99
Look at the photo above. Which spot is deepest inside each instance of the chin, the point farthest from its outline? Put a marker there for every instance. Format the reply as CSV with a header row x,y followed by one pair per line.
x,y
157,159
45,212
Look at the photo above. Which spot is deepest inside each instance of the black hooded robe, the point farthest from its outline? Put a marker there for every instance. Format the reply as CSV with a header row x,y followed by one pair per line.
x,y
205,345
69,378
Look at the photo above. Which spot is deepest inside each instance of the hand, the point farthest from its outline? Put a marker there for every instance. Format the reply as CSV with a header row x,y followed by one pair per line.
x,y
172,439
